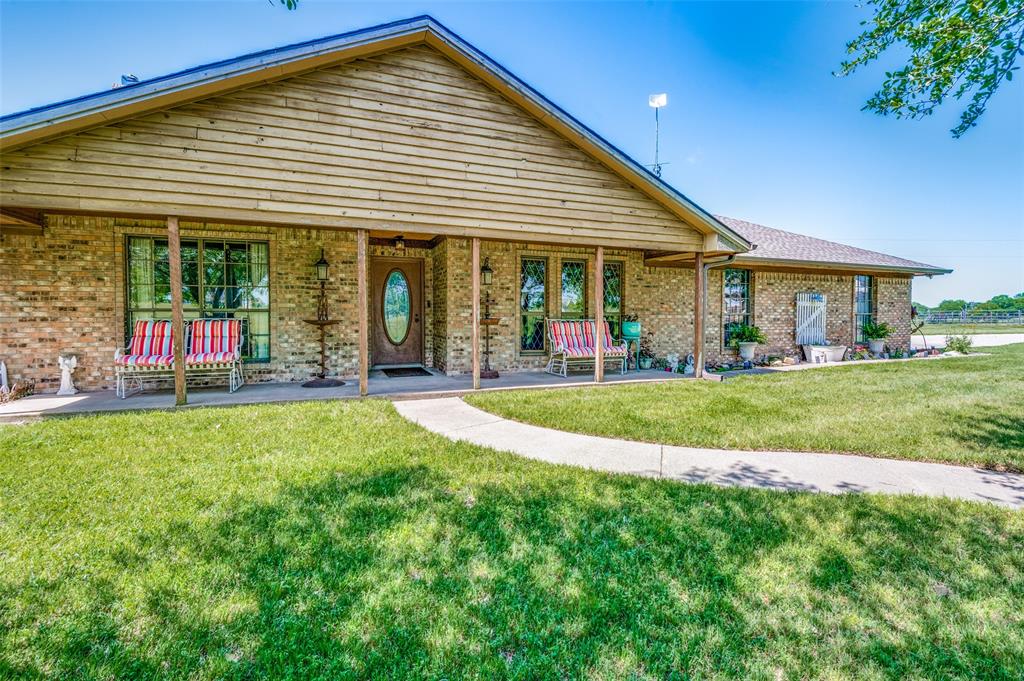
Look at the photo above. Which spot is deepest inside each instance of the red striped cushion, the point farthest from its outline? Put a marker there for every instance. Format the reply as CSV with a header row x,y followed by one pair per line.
x,y
152,337
146,360
210,357
577,338
215,335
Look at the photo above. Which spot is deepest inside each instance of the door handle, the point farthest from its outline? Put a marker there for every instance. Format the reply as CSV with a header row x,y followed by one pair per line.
x,y
416,318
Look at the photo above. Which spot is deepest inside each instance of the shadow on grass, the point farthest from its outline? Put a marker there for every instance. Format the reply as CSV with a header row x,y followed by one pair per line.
x,y
990,430
407,574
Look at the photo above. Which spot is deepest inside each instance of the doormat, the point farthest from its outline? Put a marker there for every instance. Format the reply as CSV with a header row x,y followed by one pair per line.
x,y
403,372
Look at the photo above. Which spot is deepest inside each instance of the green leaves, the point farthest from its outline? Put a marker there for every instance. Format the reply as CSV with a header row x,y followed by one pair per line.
x,y
958,48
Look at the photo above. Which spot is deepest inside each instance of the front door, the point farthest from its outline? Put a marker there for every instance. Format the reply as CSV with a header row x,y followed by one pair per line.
x,y
397,310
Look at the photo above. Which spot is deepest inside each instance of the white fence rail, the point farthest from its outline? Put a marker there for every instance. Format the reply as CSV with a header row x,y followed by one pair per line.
x,y
975,317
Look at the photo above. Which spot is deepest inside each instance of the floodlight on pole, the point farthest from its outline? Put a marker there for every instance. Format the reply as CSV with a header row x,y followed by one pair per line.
x,y
657,101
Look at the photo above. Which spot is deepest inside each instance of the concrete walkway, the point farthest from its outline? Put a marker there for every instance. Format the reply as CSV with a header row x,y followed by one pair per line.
x,y
979,340
834,473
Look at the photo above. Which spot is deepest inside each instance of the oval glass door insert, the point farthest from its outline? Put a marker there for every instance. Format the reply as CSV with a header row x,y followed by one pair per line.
x,y
397,313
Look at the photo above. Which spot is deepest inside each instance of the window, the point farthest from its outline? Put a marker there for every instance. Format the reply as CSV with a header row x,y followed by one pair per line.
x,y
574,289
532,303
735,301
863,303
613,297
220,279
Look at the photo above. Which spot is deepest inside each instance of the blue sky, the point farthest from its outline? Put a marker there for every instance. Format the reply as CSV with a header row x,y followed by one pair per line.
x,y
756,128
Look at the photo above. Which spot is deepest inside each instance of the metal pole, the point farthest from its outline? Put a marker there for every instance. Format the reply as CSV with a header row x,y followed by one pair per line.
x,y
657,135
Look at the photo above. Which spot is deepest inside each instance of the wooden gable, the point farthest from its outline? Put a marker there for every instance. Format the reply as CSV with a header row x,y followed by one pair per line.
x,y
404,141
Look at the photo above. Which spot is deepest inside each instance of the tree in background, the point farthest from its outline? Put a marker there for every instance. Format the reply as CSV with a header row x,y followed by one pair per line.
x,y
958,48
1001,302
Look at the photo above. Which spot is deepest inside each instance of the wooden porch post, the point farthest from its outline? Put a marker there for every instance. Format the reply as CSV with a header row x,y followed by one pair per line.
x,y
698,315
476,312
362,294
599,315
177,313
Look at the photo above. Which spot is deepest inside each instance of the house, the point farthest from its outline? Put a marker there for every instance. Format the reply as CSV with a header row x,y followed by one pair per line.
x,y
409,161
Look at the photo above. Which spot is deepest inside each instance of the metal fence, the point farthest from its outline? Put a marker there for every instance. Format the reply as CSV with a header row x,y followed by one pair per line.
x,y
975,317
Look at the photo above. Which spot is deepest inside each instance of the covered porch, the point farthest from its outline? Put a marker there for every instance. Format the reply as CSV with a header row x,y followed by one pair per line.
x,y
378,384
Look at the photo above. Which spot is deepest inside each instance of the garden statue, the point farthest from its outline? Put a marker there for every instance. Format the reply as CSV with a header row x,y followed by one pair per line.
x,y
688,369
673,361
67,364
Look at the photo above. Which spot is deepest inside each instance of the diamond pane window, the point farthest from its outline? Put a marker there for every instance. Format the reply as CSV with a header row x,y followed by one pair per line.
x,y
574,286
613,297
864,303
735,301
220,279
532,303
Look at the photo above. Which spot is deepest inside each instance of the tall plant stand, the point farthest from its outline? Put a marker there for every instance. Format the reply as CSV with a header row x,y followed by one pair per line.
x,y
487,321
321,380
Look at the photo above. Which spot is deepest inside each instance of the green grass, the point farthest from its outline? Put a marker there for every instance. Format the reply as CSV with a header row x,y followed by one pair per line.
x,y
958,329
335,540
966,410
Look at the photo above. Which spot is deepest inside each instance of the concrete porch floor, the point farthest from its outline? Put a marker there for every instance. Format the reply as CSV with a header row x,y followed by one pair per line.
x,y
380,385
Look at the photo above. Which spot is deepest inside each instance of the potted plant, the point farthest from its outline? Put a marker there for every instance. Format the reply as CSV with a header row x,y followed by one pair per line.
x,y
630,326
875,335
647,350
745,337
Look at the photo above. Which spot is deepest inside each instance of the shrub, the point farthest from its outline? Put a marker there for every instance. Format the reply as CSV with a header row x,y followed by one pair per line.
x,y
959,343
873,331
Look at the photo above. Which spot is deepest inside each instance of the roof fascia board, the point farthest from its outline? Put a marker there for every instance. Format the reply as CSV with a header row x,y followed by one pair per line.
x,y
825,265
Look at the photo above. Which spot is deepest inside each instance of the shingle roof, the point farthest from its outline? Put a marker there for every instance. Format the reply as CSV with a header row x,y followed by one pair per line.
x,y
777,245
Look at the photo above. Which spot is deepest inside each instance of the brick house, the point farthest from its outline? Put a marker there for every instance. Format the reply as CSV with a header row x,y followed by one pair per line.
x,y
409,160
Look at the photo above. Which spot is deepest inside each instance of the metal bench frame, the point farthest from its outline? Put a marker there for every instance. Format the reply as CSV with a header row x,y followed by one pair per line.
x,y
132,375
559,360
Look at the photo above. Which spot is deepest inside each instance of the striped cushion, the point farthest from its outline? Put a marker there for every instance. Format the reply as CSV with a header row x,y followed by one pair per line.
x,y
576,339
215,335
152,337
146,360
210,357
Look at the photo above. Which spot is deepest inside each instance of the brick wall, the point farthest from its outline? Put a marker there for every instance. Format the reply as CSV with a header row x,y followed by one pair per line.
x,y
58,294
64,292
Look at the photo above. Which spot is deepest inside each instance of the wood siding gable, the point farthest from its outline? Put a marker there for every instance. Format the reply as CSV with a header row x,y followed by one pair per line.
x,y
404,141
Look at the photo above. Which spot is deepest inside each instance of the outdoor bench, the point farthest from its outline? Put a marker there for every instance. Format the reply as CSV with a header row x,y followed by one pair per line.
x,y
213,347
572,341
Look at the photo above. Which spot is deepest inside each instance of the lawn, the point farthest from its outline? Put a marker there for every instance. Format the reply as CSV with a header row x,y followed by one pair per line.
x,y
334,540
959,329
966,410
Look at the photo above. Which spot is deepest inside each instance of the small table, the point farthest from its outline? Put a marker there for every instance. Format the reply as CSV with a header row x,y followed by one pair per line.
x,y
321,381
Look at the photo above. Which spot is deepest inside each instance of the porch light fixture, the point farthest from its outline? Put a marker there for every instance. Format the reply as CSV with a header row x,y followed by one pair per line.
x,y
321,276
321,267
486,273
399,243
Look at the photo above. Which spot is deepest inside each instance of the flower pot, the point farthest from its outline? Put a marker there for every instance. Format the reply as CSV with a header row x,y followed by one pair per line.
x,y
630,329
876,345
747,350
645,362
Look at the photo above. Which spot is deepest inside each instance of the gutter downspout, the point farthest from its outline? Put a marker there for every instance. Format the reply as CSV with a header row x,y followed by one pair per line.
x,y
698,360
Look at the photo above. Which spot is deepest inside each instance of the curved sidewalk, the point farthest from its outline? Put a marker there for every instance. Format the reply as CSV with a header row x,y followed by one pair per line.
x,y
803,471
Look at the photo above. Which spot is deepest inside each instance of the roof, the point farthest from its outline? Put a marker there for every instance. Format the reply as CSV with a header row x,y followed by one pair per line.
x,y
776,246
101,108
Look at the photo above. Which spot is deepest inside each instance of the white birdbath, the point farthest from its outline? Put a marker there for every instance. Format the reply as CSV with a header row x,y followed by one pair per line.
x,y
67,365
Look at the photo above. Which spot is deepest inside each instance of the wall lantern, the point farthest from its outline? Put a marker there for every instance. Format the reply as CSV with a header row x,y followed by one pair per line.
x,y
321,276
486,273
321,267
399,243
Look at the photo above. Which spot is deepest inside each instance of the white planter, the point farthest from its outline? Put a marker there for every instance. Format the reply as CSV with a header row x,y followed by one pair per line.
x,y
876,345
747,350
